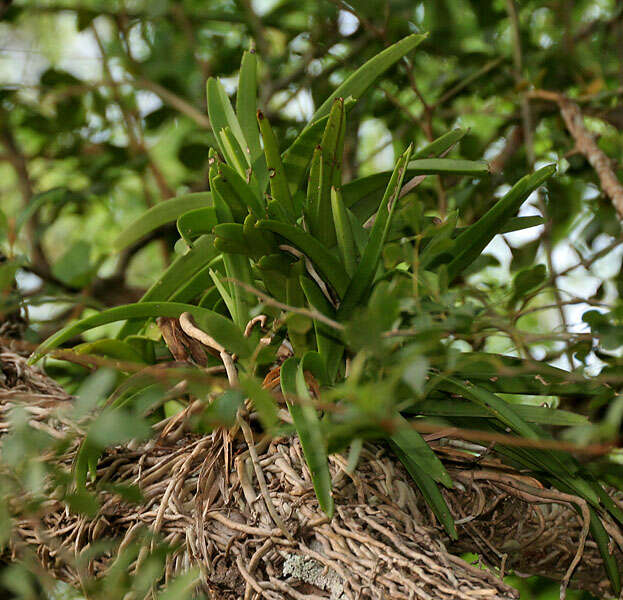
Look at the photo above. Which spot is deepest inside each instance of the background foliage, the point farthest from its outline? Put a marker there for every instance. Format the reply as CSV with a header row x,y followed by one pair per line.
x,y
103,115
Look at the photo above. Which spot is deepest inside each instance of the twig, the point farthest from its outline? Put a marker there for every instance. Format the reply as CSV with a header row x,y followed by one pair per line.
x,y
17,160
172,99
513,143
585,143
526,116
311,313
492,64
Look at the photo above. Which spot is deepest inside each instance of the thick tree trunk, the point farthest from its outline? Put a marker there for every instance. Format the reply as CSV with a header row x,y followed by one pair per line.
x,y
245,512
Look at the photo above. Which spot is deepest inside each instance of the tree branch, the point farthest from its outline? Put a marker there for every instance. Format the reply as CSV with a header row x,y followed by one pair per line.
x,y
585,144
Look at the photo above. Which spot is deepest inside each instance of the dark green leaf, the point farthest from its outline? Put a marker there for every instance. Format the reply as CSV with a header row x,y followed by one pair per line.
x,y
362,280
328,266
308,429
474,240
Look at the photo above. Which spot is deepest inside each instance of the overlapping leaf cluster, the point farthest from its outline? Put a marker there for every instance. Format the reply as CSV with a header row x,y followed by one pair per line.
x,y
361,284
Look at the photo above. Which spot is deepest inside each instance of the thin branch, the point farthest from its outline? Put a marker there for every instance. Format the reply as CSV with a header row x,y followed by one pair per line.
x,y
173,100
311,313
585,143
489,66
17,160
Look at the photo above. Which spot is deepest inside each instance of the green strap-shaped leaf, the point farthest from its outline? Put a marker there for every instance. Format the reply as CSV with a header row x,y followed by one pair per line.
x,y
234,155
246,106
416,449
473,241
222,114
519,223
344,232
195,223
299,153
297,156
614,509
330,347
314,189
195,286
440,145
222,189
112,348
175,277
447,166
321,218
561,465
512,375
429,490
229,238
262,243
220,328
328,266
162,213
238,269
307,426
363,195
364,275
246,239
602,539
278,182
533,414
498,408
357,191
244,191
224,292
356,84
312,361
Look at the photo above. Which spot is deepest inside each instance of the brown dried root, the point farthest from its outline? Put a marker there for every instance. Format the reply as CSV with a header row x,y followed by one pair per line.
x,y
383,541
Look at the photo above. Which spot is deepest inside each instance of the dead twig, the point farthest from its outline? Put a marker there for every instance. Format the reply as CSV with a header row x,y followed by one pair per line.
x,y
586,145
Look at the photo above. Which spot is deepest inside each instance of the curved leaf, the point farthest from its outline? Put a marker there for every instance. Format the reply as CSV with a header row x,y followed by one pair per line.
x,y
417,450
358,82
297,156
344,232
220,328
328,266
243,190
159,215
176,277
533,414
429,490
319,210
473,241
440,145
222,114
197,222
